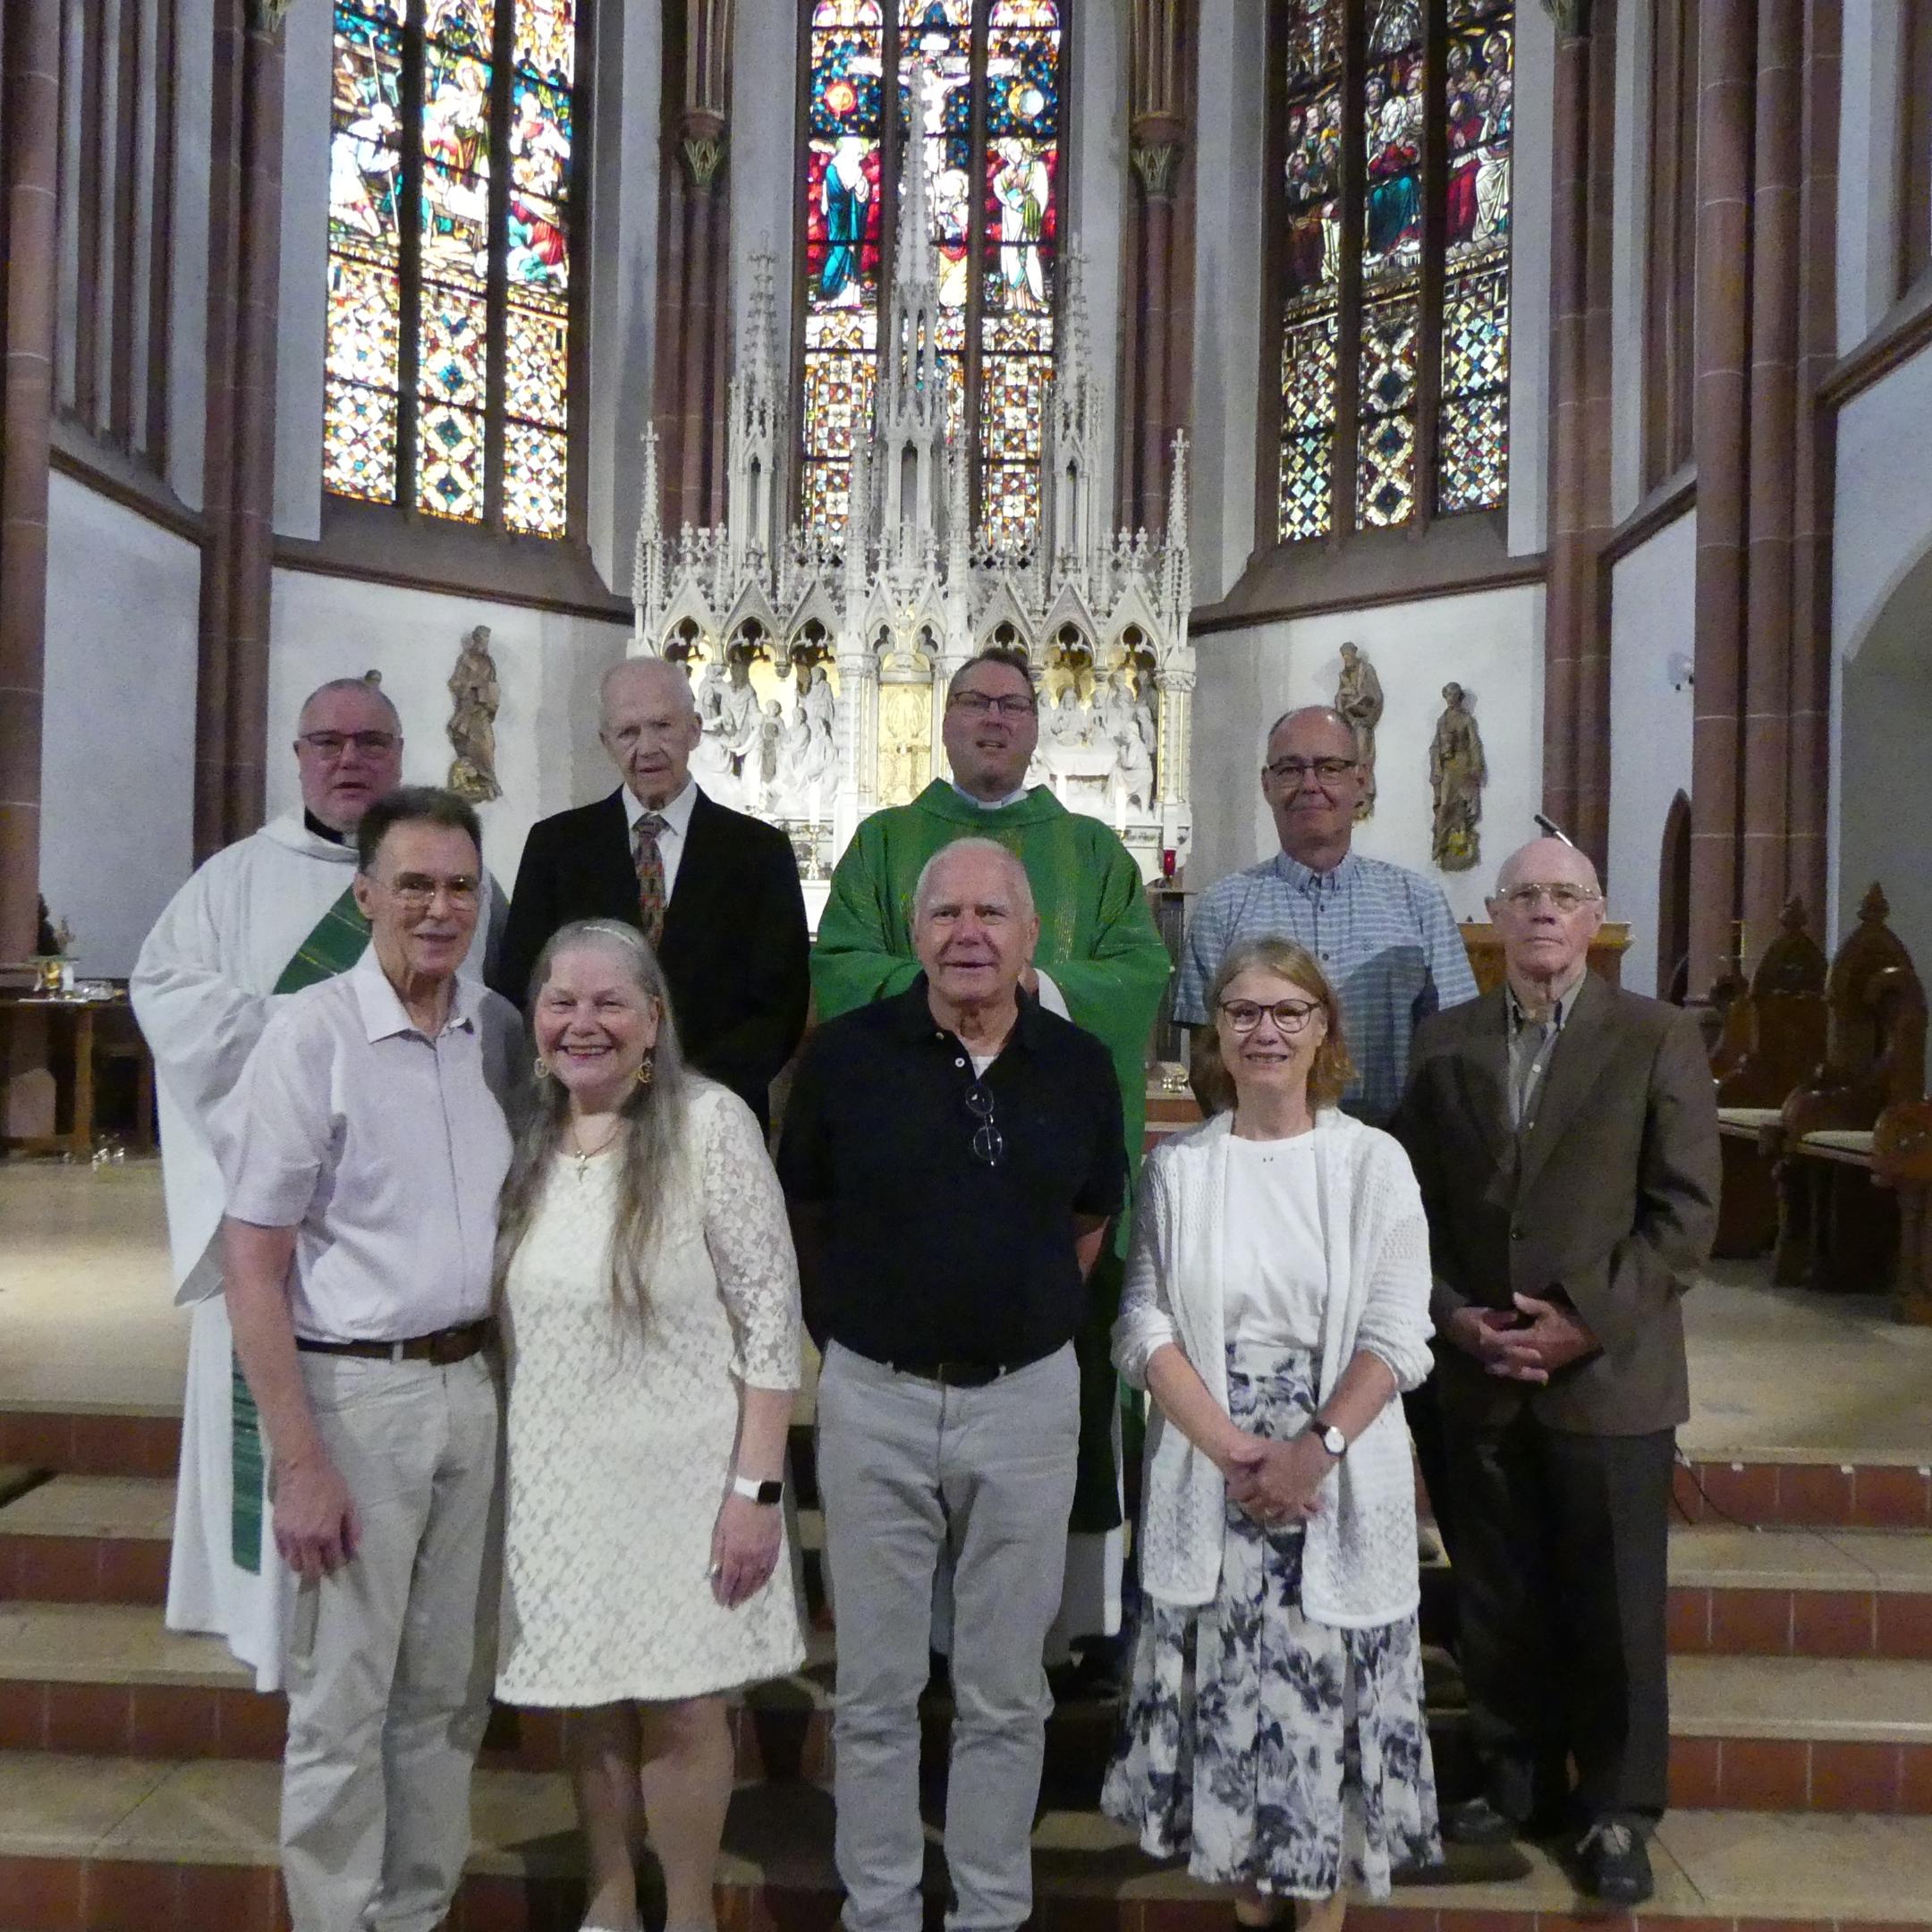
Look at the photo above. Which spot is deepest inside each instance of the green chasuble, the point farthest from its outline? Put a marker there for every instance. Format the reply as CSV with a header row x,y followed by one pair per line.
x,y
1097,944
338,940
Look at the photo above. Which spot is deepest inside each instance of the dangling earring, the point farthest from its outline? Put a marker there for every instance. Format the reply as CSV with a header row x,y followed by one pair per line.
x,y
541,1068
646,1072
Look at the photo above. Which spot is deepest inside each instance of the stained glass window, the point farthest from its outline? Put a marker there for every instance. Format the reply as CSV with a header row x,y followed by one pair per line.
x,y
448,329
989,78
1393,254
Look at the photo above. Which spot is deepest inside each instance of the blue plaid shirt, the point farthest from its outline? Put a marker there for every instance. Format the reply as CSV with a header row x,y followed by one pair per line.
x,y
1385,935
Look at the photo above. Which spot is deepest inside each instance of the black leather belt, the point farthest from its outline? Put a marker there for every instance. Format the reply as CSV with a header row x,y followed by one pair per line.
x,y
965,1374
443,1347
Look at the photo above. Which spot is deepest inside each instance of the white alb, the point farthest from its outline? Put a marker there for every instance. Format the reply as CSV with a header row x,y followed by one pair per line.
x,y
1359,1566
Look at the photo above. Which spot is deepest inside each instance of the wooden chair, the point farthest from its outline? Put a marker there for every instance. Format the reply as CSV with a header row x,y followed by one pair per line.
x,y
1835,1230
1772,1037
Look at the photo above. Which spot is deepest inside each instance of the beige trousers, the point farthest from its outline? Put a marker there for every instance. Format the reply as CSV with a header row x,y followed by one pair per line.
x,y
391,1660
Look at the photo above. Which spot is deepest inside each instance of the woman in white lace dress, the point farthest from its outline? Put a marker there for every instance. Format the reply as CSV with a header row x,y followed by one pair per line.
x,y
1276,1298
649,1305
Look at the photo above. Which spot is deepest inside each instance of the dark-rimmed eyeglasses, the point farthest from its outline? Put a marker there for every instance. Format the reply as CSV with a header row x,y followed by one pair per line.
x,y
979,703
332,745
1562,897
988,1144
416,892
1294,772
1290,1015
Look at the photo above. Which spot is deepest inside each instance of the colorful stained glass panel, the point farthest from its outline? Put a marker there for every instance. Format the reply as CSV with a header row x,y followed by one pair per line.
x,y
841,369
454,345
1473,456
540,136
536,469
545,38
1306,490
365,114
449,462
359,441
1385,457
537,364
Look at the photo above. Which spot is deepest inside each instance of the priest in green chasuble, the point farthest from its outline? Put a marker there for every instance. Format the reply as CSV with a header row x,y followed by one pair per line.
x,y
1101,962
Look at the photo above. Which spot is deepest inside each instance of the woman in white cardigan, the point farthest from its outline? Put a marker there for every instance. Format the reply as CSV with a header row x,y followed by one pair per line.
x,y
1276,1300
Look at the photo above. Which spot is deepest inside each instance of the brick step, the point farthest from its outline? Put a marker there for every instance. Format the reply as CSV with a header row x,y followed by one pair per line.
x,y
1748,1733
1768,1488
135,1845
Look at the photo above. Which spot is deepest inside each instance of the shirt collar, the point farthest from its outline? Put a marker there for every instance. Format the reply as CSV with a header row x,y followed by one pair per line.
x,y
914,1020
1559,1012
674,812
1305,879
383,1014
317,829
981,804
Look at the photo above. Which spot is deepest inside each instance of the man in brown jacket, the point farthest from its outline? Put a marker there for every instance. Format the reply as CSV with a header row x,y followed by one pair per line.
x,y
1565,1134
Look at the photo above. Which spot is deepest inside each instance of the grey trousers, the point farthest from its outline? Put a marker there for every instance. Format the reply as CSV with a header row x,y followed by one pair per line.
x,y
391,1660
909,1471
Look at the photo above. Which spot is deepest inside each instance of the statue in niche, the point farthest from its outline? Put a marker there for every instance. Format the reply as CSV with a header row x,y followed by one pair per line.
x,y
771,741
818,702
1457,775
710,691
1358,702
472,725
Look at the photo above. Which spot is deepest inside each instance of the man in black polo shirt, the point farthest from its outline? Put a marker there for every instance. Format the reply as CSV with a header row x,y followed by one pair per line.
x,y
952,1157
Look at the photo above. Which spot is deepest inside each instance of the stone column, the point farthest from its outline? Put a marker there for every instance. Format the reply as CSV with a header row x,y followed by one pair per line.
x,y
1159,301
694,267
1576,657
1720,424
244,278
1772,401
30,137
1816,457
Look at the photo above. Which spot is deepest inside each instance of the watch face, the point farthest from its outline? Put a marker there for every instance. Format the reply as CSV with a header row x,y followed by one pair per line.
x,y
771,1492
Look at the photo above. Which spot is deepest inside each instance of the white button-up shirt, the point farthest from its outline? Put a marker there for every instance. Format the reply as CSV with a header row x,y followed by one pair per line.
x,y
383,1149
675,833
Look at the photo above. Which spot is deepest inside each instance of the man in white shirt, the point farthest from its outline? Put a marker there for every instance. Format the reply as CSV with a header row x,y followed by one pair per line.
x,y
270,914
364,1147
715,890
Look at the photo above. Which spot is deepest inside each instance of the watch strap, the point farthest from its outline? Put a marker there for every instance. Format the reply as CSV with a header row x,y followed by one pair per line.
x,y
771,1491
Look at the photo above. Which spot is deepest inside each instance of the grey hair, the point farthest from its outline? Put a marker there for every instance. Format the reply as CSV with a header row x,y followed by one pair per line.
x,y
981,848
651,1133
1308,710
668,665
366,686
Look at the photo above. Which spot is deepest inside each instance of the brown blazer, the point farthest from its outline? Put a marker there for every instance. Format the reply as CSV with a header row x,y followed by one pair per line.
x,y
1610,1198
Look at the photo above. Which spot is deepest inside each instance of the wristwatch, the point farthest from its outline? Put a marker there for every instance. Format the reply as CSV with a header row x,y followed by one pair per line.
x,y
1329,1437
771,1491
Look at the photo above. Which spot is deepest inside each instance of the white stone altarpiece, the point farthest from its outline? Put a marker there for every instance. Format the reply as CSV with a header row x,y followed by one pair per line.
x,y
820,656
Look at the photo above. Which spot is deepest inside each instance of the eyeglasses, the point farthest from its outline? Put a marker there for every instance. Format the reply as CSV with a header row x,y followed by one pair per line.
x,y
988,1144
332,745
1294,772
1564,898
416,892
980,703
1290,1015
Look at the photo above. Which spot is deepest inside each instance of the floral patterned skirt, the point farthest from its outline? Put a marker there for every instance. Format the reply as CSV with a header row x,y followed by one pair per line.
x,y
1273,1751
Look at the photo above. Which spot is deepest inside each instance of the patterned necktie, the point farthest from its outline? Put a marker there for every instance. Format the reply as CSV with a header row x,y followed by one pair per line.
x,y
650,879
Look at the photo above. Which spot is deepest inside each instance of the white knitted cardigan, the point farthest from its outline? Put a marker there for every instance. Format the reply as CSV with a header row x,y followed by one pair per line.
x,y
1359,1564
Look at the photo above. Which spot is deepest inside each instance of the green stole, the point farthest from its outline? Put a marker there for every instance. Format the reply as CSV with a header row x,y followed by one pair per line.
x,y
338,941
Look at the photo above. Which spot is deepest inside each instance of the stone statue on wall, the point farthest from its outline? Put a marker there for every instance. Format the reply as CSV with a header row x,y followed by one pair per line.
x,y
472,725
1358,701
1457,775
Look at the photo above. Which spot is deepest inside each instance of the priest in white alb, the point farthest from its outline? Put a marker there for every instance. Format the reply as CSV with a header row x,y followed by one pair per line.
x,y
266,917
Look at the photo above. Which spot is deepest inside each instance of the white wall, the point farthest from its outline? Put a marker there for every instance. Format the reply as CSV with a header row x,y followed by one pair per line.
x,y
1882,645
547,665
1868,164
1651,621
1490,642
117,750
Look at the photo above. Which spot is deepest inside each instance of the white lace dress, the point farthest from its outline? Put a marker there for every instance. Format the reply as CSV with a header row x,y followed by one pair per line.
x,y
620,1443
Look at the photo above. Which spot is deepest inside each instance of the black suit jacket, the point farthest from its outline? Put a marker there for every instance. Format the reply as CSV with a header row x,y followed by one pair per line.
x,y
1610,1198
734,948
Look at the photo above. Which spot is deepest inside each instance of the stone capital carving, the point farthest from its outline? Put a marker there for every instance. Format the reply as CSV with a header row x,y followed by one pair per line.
x,y
701,143
1155,162
1571,17
268,15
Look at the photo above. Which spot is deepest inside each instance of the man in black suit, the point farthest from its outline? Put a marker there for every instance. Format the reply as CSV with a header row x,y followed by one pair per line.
x,y
714,891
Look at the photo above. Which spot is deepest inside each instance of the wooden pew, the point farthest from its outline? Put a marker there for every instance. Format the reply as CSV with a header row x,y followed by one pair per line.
x,y
1835,1231
1772,1038
1901,1160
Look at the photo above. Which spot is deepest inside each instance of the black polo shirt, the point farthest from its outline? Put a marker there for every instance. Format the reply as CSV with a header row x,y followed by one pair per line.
x,y
932,1254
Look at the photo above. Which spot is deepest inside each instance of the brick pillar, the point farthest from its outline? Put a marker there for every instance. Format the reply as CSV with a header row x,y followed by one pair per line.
x,y
1726,60
244,277
30,138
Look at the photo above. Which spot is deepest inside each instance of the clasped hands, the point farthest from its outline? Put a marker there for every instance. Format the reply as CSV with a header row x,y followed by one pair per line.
x,y
1528,1342
1276,1482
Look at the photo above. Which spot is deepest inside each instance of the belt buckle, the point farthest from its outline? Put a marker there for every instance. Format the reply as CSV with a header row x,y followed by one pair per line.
x,y
444,1346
